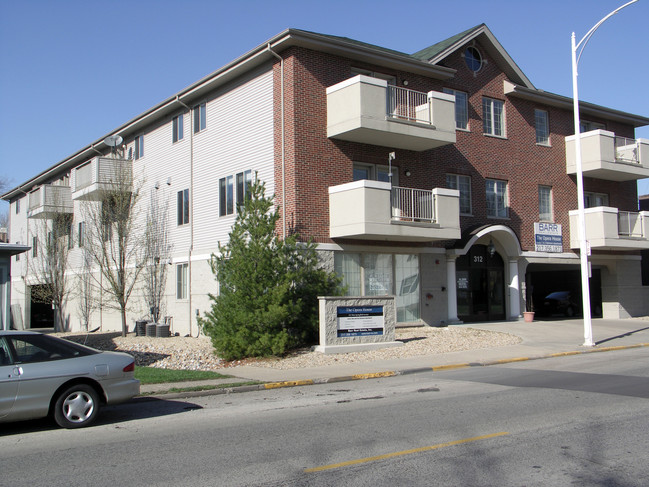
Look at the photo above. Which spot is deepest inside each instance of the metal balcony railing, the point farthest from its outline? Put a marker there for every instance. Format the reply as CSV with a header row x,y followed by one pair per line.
x,y
410,105
627,150
630,224
413,205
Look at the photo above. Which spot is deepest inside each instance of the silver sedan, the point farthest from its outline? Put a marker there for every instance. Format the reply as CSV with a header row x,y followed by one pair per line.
x,y
41,375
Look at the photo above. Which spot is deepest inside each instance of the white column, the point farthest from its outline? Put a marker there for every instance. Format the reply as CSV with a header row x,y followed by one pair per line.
x,y
514,290
451,291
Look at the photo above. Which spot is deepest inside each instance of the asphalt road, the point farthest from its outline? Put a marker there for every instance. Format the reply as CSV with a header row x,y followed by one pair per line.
x,y
580,420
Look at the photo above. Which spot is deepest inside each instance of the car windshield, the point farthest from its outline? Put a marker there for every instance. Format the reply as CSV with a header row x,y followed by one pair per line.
x,y
42,348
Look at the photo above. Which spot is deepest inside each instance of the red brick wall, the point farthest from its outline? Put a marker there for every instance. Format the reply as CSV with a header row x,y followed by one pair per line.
x,y
314,162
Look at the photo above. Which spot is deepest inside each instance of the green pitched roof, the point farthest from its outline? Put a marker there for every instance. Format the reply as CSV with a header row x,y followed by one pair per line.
x,y
357,43
432,51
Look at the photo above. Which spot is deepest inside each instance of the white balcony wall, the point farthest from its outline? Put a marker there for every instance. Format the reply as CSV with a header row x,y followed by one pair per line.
x,y
609,229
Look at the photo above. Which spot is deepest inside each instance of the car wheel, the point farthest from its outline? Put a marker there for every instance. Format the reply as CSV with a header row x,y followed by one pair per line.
x,y
76,406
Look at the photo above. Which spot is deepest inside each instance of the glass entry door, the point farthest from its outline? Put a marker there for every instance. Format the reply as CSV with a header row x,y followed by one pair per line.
x,y
480,286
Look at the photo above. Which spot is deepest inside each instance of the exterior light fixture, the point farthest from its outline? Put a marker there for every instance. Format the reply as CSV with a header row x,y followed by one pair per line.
x,y
491,248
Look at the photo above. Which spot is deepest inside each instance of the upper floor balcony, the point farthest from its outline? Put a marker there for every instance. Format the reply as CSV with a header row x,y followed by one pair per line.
x,y
373,210
370,111
48,200
611,229
100,174
605,156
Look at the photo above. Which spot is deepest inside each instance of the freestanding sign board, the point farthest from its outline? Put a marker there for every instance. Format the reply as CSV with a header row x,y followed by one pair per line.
x,y
354,321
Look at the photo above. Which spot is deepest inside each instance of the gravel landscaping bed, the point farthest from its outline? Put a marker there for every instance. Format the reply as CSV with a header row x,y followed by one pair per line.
x,y
197,353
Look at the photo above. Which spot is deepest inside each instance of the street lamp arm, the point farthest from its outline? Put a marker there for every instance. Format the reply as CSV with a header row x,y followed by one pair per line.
x,y
589,34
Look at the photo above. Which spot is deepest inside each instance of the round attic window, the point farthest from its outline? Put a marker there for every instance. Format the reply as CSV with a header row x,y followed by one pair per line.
x,y
473,59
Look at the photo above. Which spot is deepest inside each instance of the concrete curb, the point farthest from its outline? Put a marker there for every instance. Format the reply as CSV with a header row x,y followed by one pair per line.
x,y
374,375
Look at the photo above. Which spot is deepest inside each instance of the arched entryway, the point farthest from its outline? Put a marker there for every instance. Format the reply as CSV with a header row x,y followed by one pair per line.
x,y
480,285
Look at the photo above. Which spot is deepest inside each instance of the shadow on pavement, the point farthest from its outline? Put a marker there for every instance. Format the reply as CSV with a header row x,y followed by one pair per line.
x,y
627,334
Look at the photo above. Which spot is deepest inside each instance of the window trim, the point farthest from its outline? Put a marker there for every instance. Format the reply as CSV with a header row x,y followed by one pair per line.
x,y
138,153
545,127
457,183
375,169
35,247
506,198
182,207
492,102
590,194
199,117
233,190
454,92
182,273
550,202
177,128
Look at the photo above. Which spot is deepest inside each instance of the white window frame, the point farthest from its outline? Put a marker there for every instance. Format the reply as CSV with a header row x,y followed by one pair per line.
x,y
376,170
461,109
495,195
545,199
601,199
182,271
493,120
587,126
139,147
453,181
200,117
177,128
182,207
542,127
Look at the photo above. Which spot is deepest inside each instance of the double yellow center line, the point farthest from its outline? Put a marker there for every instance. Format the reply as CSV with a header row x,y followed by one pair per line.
x,y
404,452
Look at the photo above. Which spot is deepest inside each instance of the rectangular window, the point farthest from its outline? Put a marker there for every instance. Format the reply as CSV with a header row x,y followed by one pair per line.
x,y
461,108
200,117
17,206
592,200
545,204
542,127
82,233
183,207
463,184
181,281
34,247
493,117
497,198
244,181
139,146
226,196
587,126
177,128
375,172
17,255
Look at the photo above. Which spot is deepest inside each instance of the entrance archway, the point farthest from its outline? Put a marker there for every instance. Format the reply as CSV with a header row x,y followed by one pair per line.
x,y
480,285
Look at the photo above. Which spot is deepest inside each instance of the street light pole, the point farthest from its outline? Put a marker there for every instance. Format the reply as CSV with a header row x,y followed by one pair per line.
x,y
583,243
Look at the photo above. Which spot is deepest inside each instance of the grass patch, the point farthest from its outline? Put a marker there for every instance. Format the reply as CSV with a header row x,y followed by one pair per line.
x,y
210,387
154,375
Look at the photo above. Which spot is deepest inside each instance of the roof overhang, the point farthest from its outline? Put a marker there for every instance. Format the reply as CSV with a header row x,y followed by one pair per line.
x,y
588,109
247,62
8,249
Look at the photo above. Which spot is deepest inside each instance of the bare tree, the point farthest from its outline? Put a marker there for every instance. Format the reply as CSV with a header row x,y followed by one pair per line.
x,y
114,242
157,251
49,261
86,303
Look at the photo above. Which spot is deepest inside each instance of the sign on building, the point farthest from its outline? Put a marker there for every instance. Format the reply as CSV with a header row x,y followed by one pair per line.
x,y
548,237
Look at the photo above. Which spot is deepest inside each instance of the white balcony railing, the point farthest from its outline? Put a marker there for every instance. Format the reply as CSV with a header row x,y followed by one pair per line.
x,y
413,205
99,174
405,104
49,199
630,224
627,150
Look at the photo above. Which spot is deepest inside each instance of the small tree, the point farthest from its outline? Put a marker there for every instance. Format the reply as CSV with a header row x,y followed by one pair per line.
x,y
86,303
268,288
53,240
115,244
157,247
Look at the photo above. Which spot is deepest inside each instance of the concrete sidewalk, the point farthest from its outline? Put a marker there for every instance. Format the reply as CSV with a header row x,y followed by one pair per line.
x,y
540,339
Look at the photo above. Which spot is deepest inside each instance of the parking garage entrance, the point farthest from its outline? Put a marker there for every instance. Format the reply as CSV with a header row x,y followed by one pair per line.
x,y
480,285
556,291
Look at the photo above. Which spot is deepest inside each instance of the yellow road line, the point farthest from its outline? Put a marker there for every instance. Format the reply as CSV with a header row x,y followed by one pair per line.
x,y
288,383
449,367
404,452
374,375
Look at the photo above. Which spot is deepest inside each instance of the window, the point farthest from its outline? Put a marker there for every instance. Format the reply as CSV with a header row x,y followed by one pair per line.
x,y
542,127
375,173
40,348
497,204
545,204
586,126
373,74
493,117
461,108
181,280
244,181
34,247
473,59
226,196
139,146
463,184
200,118
591,200
177,128
17,206
82,233
17,255
183,207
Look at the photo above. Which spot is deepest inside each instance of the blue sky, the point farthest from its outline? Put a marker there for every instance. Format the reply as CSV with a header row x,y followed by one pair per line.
x,y
72,71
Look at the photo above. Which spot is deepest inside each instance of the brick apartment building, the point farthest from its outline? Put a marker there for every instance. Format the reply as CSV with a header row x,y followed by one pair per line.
x,y
442,177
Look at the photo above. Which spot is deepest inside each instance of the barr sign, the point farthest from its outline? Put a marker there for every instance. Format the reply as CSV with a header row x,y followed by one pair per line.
x,y
360,321
548,237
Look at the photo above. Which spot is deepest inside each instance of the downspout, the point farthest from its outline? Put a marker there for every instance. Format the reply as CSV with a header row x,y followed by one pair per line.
x,y
191,213
281,64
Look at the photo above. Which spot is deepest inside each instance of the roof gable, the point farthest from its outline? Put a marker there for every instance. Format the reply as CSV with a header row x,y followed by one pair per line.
x,y
438,52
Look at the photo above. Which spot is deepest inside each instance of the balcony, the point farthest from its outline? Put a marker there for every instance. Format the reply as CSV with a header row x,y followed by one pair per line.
x,y
605,156
100,174
610,229
372,210
368,110
49,200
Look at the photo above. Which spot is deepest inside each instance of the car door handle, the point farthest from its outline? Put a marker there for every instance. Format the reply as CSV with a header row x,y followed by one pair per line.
x,y
18,371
